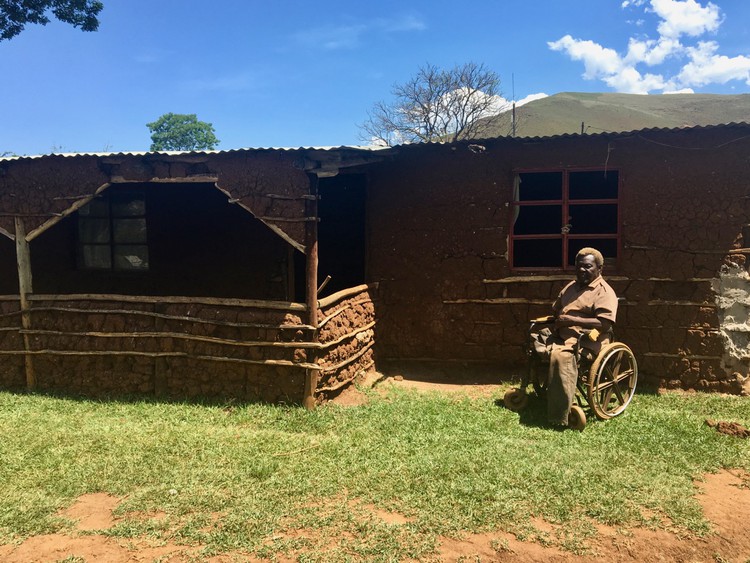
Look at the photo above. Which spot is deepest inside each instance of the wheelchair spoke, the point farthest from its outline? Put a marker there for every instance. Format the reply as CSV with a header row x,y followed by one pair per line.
x,y
613,380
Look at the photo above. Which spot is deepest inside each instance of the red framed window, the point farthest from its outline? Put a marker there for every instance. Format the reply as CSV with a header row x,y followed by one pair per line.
x,y
558,212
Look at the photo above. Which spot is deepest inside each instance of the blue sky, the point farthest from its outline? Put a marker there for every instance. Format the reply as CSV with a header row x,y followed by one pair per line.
x,y
302,73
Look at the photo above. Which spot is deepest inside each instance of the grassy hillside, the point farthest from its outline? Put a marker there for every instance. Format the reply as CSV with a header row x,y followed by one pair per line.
x,y
565,112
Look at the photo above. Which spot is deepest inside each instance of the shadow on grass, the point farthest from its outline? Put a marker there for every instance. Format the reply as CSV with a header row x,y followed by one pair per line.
x,y
533,415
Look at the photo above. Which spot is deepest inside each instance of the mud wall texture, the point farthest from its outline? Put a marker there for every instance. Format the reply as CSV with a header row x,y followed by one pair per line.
x,y
347,337
167,347
439,222
271,185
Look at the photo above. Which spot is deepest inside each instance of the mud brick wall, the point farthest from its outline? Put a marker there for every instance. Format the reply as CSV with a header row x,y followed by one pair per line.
x,y
439,222
12,374
347,336
172,347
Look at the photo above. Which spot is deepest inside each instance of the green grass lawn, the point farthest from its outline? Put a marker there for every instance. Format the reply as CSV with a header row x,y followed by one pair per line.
x,y
246,477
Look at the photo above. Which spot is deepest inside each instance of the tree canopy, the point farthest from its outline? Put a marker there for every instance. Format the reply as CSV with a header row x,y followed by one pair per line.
x,y
436,105
181,132
15,14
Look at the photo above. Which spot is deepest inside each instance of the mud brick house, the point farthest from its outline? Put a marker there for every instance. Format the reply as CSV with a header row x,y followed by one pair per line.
x,y
282,274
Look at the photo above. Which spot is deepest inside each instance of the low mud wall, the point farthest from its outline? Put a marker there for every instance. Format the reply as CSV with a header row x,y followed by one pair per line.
x,y
347,337
174,347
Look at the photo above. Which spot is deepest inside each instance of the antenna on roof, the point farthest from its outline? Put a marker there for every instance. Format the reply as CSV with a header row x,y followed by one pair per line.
x,y
513,109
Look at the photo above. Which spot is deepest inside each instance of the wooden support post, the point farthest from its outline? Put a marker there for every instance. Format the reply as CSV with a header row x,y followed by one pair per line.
x,y
311,288
23,261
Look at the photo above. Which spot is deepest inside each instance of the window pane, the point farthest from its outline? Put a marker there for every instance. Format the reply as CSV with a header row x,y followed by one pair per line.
x,y
608,248
93,230
96,257
593,185
593,219
131,257
539,186
537,253
538,220
122,207
129,230
95,208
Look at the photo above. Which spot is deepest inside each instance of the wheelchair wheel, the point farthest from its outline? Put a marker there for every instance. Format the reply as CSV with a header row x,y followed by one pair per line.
x,y
612,380
515,400
576,418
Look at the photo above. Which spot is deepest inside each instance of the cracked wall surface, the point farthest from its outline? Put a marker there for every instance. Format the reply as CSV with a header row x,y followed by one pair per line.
x,y
439,224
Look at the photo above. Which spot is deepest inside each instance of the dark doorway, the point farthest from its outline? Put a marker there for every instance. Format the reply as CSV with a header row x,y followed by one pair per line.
x,y
341,236
341,231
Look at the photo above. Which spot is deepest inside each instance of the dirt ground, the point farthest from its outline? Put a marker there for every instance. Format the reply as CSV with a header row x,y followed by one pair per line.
x,y
725,498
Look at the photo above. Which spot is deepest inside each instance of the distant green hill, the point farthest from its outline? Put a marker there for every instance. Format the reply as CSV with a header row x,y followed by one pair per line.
x,y
565,112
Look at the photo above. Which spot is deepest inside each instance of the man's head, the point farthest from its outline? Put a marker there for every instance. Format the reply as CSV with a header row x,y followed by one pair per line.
x,y
589,264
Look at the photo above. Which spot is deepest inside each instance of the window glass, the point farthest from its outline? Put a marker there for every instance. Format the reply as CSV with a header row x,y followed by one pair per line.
x,y
93,230
131,257
129,230
96,257
112,233
128,208
95,208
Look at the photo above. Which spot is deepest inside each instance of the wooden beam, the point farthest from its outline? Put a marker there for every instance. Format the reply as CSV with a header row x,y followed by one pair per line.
x,y
80,201
23,261
311,288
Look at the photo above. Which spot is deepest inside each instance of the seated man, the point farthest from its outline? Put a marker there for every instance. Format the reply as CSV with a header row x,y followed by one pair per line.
x,y
584,304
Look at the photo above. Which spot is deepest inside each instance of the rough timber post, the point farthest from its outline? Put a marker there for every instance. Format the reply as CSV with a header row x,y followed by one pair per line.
x,y
23,260
311,287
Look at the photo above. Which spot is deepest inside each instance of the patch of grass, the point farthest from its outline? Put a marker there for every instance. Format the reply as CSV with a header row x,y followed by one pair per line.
x,y
281,481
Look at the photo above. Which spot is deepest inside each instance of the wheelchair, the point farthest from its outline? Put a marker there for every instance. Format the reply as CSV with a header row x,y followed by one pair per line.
x,y
606,381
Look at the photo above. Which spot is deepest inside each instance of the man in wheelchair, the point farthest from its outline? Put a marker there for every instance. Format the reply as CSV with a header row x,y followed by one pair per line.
x,y
584,314
572,358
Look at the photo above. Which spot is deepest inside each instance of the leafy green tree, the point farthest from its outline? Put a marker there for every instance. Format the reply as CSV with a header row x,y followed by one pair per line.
x,y
15,14
181,132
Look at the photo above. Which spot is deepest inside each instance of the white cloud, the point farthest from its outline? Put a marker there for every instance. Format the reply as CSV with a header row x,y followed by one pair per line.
x,y
685,17
706,67
679,21
351,35
651,52
598,61
531,98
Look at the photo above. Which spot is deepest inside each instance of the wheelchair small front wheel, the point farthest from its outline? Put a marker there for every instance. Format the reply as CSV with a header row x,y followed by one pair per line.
x,y
576,418
515,400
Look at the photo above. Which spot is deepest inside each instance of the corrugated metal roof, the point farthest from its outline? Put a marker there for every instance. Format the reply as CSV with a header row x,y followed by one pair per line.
x,y
374,148
196,153
631,132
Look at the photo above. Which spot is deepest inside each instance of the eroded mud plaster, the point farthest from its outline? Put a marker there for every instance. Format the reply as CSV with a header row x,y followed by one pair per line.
x,y
732,290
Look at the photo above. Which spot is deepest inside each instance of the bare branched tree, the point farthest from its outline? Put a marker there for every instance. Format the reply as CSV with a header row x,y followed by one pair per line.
x,y
436,105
